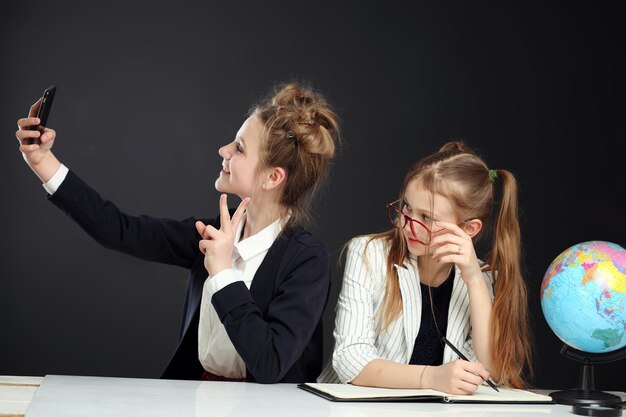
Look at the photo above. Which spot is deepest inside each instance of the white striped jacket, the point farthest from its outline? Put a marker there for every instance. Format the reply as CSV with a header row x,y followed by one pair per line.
x,y
358,335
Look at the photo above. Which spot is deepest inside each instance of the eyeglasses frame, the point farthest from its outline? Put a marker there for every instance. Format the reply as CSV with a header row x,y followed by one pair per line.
x,y
409,220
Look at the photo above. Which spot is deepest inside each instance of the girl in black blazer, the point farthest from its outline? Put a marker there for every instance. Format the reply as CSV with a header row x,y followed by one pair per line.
x,y
258,282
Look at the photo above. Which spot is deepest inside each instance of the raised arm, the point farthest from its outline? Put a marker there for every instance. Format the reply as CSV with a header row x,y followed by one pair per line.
x,y
455,245
162,240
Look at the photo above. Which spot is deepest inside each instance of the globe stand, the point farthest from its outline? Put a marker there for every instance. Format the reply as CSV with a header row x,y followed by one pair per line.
x,y
586,394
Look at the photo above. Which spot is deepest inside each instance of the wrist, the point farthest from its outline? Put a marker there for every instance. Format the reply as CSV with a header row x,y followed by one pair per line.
x,y
45,167
423,379
216,269
474,281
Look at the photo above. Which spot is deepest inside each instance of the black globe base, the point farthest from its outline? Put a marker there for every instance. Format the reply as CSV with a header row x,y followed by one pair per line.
x,y
584,397
586,394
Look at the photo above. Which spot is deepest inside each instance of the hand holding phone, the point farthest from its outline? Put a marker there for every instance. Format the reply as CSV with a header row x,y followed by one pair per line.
x,y
44,111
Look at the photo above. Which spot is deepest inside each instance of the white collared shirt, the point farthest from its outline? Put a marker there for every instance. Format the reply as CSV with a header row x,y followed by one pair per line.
x,y
215,350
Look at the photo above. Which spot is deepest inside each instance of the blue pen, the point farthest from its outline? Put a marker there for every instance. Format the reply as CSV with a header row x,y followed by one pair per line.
x,y
462,356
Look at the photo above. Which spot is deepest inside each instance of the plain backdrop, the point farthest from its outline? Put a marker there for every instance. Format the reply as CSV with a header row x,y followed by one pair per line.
x,y
148,91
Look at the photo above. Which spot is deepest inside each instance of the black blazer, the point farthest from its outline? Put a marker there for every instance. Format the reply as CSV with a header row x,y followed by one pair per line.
x,y
276,326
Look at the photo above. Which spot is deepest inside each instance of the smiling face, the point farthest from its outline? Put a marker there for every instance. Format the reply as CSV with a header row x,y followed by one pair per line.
x,y
239,174
417,205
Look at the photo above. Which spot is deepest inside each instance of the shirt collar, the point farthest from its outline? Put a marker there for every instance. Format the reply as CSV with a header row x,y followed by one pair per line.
x,y
259,242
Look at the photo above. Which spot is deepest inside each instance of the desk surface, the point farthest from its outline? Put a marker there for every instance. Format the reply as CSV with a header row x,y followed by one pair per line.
x,y
64,396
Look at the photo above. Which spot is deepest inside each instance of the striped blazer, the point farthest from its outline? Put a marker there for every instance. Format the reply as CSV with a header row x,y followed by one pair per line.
x,y
358,333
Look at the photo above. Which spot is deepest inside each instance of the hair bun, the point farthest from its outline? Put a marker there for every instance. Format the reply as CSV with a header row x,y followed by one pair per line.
x,y
300,133
307,118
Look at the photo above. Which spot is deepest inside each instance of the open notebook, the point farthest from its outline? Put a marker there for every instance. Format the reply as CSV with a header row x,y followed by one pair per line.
x,y
484,394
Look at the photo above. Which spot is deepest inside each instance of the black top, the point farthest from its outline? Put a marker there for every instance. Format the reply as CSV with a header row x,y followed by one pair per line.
x,y
276,326
428,348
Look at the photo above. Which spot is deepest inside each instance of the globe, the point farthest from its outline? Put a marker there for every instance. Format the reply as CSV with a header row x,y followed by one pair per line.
x,y
583,296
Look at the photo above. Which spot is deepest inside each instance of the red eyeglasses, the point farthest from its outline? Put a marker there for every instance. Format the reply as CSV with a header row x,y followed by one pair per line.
x,y
399,219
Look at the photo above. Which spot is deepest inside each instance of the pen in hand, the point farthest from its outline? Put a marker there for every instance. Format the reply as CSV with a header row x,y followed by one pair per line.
x,y
462,356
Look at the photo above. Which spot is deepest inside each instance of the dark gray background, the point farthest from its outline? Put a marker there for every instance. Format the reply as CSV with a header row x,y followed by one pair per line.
x,y
147,91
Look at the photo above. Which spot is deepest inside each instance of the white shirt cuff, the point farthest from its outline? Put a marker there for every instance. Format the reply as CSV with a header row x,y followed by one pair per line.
x,y
222,279
57,179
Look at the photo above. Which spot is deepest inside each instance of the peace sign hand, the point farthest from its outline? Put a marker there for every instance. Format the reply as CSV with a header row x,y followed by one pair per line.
x,y
217,245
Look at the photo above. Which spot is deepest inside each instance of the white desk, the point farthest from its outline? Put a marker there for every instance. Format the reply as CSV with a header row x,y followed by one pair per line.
x,y
64,396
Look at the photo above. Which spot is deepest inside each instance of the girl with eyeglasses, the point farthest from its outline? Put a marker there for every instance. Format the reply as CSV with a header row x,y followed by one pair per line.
x,y
405,289
258,282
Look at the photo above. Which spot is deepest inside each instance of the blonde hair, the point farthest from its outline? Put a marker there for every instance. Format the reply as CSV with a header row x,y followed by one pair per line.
x,y
461,176
301,129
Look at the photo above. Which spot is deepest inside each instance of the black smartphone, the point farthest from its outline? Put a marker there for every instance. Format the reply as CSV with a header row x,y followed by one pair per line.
x,y
44,110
